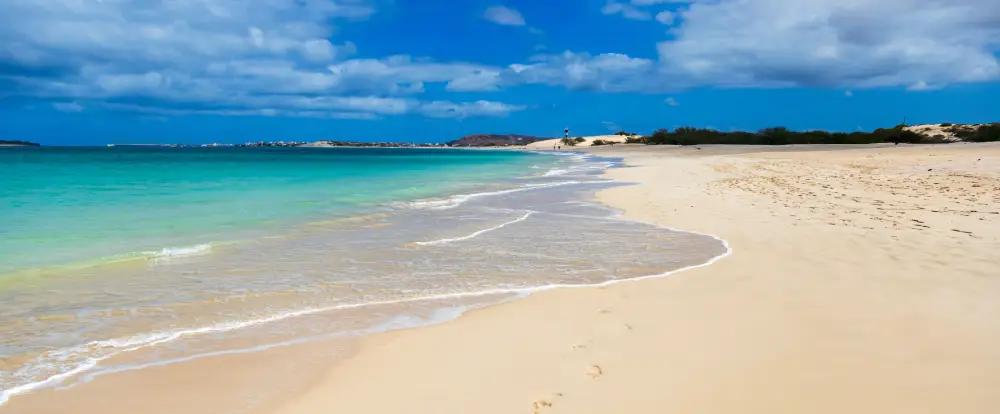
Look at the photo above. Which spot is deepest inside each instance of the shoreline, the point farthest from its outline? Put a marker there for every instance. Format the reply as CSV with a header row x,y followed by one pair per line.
x,y
23,370
613,348
606,349
146,371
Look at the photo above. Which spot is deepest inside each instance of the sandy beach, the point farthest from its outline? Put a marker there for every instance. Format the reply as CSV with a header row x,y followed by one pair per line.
x,y
862,280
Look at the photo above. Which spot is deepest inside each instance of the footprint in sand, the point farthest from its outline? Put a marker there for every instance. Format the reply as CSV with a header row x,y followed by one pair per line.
x,y
539,404
595,371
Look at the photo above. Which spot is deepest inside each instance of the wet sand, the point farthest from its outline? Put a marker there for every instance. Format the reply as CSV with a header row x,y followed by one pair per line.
x,y
862,280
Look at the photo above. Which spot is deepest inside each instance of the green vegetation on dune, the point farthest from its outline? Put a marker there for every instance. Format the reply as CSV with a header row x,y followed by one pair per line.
x,y
781,136
984,133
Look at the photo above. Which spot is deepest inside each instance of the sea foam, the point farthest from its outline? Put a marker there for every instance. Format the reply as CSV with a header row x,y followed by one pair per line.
x,y
473,235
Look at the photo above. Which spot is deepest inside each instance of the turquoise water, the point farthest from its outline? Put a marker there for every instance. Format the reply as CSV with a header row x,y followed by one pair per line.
x,y
71,206
234,251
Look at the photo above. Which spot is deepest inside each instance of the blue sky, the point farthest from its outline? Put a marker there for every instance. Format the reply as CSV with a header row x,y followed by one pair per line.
x,y
85,72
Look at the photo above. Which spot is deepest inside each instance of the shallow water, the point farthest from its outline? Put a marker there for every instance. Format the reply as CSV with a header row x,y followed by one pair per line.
x,y
70,206
394,265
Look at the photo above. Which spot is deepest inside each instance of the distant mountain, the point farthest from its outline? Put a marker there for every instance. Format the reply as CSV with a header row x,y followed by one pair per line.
x,y
489,140
17,144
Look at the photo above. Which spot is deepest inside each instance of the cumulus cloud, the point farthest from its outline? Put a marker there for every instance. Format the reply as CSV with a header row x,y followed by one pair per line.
x,y
66,34
371,74
835,42
283,57
666,17
672,102
916,44
447,109
626,10
848,93
605,72
222,57
503,15
332,107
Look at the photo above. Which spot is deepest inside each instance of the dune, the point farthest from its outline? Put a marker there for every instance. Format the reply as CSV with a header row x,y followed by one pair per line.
x,y
547,144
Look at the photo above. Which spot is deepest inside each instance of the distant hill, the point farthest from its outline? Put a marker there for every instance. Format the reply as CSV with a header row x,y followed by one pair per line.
x,y
489,140
4,143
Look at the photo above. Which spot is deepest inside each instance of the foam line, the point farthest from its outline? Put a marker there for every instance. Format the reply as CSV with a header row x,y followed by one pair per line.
x,y
160,338
399,322
473,235
457,200
182,251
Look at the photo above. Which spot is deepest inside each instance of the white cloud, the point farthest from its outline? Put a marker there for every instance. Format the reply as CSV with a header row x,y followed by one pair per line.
x,y
923,86
831,43
627,11
267,112
66,33
377,74
68,106
222,57
848,93
446,109
604,72
666,17
926,44
672,102
503,15
283,55
654,2
334,108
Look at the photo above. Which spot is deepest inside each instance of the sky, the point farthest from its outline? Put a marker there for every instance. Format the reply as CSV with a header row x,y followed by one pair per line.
x,y
91,72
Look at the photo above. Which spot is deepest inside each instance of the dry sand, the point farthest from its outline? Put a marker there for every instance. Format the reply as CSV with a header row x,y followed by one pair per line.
x,y
861,281
547,144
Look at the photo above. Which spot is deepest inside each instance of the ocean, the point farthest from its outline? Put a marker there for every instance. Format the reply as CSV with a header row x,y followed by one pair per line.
x,y
118,259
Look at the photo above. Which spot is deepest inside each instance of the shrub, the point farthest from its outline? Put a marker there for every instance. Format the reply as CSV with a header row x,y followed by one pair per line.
x,y
599,142
779,136
579,139
946,125
568,142
985,133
